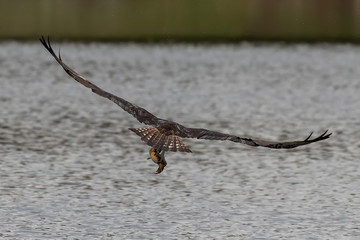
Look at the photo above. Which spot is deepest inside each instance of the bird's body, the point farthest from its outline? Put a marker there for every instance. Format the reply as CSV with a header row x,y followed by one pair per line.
x,y
164,135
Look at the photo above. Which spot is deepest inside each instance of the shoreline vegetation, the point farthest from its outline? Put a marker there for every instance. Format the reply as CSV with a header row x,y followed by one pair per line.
x,y
182,20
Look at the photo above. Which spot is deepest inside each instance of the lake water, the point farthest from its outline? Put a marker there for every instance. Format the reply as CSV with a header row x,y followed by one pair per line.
x,y
71,169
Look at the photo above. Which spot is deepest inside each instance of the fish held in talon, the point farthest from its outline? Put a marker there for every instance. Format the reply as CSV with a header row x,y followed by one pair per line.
x,y
165,135
158,157
154,155
161,167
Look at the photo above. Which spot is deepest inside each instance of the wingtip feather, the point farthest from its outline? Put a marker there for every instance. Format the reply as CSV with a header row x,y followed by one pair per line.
x,y
308,137
59,54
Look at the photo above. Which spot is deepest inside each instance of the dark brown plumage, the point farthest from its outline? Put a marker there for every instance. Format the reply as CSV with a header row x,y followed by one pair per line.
x,y
165,135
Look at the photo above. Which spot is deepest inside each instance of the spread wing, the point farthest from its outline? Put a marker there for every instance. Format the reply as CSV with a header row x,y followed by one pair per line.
x,y
172,142
200,133
139,113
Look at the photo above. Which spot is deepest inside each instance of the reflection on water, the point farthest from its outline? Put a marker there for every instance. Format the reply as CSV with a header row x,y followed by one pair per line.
x,y
70,168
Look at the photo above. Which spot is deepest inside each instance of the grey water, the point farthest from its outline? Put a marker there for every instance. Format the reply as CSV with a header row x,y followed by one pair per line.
x,y
71,169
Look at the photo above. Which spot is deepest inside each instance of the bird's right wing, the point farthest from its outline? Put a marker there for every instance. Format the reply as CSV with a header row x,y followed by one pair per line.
x,y
139,113
200,133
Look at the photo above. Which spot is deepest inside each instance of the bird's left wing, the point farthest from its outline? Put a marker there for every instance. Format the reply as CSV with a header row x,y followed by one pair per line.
x,y
200,133
139,113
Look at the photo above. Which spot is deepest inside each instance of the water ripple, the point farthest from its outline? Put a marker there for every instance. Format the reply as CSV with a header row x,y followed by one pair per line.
x,y
69,167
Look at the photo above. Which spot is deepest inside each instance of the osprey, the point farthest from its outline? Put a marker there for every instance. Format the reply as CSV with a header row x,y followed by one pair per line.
x,y
164,135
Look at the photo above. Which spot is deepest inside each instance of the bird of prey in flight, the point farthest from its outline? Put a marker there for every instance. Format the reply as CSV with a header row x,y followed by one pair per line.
x,y
164,135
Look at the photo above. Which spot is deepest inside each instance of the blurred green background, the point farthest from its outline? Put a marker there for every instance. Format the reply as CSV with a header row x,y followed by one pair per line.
x,y
182,20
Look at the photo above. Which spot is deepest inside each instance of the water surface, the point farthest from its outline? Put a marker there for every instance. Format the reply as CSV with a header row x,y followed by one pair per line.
x,y
69,168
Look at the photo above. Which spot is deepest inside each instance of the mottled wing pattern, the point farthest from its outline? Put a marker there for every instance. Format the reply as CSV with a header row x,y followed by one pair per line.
x,y
155,138
200,133
139,113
